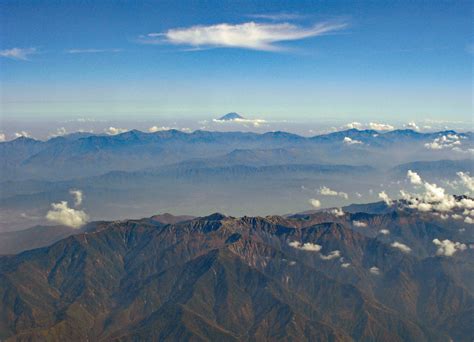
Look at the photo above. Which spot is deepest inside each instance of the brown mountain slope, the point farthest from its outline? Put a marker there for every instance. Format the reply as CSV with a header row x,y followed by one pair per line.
x,y
223,278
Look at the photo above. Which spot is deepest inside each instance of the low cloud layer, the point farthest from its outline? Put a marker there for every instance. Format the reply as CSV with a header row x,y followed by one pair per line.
x,y
250,35
243,121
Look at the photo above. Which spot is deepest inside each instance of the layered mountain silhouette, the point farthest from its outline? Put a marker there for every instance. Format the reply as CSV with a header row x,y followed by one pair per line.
x,y
169,171
309,276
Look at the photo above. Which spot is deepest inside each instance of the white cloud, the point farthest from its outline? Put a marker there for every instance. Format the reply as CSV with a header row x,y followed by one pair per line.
x,y
333,255
253,122
62,214
325,191
384,231
345,264
384,197
466,180
18,53
374,270
114,130
315,203
59,132
20,134
79,51
78,196
359,224
3,137
158,128
449,141
380,126
469,220
448,248
349,141
250,35
337,212
354,125
307,246
434,198
404,248
414,177
412,125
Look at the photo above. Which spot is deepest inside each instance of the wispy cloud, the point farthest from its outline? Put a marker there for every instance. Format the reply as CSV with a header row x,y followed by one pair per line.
x,y
276,16
78,51
250,35
18,53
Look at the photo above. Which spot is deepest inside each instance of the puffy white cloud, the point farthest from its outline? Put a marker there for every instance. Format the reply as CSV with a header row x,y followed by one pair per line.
x,y
315,203
345,264
325,191
3,137
414,177
360,224
20,134
354,125
434,198
250,35
332,255
337,212
78,196
450,141
158,128
380,126
62,214
412,125
349,141
18,53
469,220
374,270
384,197
59,132
448,248
114,130
307,246
466,180
404,248
384,231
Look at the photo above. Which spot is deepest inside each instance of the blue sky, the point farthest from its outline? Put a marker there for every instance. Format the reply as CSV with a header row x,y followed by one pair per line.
x,y
297,60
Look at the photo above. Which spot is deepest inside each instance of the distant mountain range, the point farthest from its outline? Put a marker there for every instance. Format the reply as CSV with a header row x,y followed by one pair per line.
x,y
195,173
314,277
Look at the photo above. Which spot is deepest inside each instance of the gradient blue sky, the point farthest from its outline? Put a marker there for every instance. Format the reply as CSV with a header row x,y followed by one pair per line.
x,y
392,61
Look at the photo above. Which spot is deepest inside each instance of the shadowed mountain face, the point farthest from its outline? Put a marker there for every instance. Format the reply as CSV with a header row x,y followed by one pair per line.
x,y
314,277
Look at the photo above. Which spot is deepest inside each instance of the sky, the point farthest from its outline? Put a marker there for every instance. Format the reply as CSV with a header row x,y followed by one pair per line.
x,y
192,61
